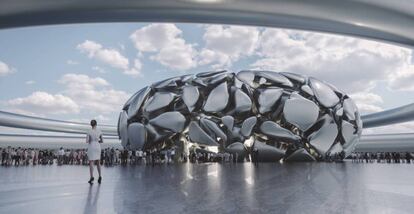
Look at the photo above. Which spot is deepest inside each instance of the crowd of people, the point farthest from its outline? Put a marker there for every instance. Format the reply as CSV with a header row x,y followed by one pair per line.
x,y
109,157
114,156
381,157
26,156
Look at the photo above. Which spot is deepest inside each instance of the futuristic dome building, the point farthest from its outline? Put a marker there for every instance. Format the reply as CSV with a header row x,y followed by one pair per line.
x,y
281,115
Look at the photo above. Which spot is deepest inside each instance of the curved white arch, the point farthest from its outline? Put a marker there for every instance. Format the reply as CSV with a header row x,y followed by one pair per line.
x,y
51,141
388,117
403,142
36,123
368,143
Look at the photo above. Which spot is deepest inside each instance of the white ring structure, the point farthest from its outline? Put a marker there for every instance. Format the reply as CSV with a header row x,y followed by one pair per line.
x,y
51,141
36,123
386,142
388,117
386,20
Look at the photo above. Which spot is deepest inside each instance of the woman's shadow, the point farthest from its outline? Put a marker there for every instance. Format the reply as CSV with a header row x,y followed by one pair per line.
x,y
92,199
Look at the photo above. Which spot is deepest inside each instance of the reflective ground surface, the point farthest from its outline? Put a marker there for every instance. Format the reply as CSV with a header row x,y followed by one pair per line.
x,y
211,188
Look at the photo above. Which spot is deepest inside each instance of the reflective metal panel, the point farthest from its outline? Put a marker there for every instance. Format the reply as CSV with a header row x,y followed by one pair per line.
x,y
198,135
267,98
300,112
137,135
217,99
158,101
173,121
242,101
325,95
190,96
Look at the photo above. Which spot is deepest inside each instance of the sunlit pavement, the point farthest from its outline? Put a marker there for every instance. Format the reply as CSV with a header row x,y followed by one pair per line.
x,y
211,188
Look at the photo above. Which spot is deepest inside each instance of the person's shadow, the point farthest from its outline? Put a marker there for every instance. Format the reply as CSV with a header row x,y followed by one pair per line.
x,y
91,200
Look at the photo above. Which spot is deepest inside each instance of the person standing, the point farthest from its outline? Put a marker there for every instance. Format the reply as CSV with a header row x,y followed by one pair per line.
x,y
112,156
18,156
117,155
408,157
8,156
139,155
256,156
168,156
94,139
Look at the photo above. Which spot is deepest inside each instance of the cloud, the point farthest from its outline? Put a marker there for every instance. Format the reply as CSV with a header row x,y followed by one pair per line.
x,y
41,103
72,62
367,102
167,45
154,37
108,56
369,98
100,118
94,95
30,82
219,59
226,44
177,57
98,69
368,108
82,96
403,79
349,63
135,70
5,69
82,81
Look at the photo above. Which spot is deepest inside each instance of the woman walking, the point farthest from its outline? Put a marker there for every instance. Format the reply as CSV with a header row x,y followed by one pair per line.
x,y
94,139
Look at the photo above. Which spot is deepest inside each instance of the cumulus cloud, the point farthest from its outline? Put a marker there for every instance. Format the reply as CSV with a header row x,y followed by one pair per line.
x,y
366,97
98,69
82,95
100,118
72,62
5,69
135,70
30,82
403,79
41,103
351,64
226,44
93,94
108,56
167,45
155,37
82,81
219,59
367,102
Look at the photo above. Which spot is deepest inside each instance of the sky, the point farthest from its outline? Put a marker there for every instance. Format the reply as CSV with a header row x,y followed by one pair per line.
x,y
78,72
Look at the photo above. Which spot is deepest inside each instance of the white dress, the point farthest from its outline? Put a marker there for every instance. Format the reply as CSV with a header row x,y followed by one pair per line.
x,y
94,147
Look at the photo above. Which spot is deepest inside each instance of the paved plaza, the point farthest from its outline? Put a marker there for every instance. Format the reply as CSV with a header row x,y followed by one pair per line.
x,y
211,188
